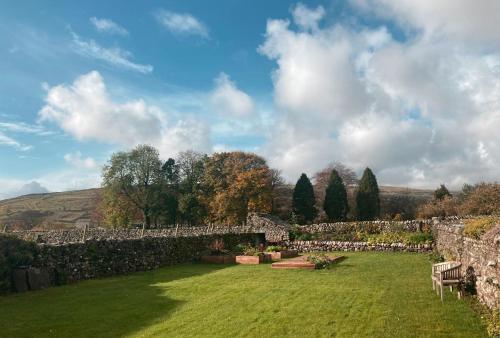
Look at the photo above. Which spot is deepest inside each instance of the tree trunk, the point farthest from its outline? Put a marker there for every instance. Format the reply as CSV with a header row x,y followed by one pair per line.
x,y
146,218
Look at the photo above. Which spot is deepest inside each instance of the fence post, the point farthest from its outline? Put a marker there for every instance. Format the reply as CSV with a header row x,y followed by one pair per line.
x,y
176,228
84,233
142,230
5,229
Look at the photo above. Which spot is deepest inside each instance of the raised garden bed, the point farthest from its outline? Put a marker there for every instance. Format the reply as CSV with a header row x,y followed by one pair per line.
x,y
218,259
279,255
255,259
301,262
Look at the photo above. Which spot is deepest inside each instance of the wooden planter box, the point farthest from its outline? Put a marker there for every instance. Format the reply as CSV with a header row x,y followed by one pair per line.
x,y
279,255
261,258
222,259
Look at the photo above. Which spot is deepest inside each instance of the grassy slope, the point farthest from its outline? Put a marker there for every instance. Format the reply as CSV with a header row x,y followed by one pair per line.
x,y
366,295
66,208
63,208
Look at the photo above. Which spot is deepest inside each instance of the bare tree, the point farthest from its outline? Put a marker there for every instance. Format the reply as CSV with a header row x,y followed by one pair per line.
x,y
322,177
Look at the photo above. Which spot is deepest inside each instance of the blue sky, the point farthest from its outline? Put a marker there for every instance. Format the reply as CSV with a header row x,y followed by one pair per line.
x,y
373,83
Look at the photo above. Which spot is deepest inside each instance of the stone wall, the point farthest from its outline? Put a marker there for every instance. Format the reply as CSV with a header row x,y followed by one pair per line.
x,y
326,246
275,231
373,226
483,256
72,262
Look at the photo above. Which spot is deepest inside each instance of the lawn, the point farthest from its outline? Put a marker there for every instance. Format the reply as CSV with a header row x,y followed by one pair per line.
x,y
366,295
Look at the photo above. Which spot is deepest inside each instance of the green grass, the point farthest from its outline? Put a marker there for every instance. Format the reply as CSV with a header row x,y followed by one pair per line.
x,y
365,295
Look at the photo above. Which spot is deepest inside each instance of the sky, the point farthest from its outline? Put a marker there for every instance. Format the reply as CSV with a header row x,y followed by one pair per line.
x,y
409,88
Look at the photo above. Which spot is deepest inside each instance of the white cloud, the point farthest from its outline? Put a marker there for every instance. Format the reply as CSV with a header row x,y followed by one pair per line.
x,y
22,127
419,112
114,56
181,23
463,20
9,141
307,18
13,188
228,100
108,26
77,160
85,110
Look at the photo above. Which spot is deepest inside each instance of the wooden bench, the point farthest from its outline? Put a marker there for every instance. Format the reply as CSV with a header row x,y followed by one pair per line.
x,y
445,274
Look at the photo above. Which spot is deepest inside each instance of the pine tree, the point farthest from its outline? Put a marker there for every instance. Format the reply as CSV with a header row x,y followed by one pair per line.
x,y
367,197
303,200
441,192
335,204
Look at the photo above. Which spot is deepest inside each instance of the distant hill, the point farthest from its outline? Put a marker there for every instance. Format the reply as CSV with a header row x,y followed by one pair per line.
x,y
51,210
68,209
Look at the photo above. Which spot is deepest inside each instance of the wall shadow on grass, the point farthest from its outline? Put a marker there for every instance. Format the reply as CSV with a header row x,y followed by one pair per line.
x,y
109,307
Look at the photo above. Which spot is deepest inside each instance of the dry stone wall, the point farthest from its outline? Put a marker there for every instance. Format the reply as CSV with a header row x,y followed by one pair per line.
x,y
483,256
72,262
370,226
274,230
327,246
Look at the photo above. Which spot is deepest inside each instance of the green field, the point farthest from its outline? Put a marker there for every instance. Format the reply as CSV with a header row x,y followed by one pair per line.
x,y
365,295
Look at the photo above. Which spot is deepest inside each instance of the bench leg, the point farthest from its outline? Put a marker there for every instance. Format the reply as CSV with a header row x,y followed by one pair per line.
x,y
451,288
441,291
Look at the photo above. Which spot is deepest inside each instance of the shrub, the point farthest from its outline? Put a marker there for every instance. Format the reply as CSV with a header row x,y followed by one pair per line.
x,y
409,238
482,199
321,261
250,251
274,248
238,249
435,257
475,228
447,206
493,323
13,253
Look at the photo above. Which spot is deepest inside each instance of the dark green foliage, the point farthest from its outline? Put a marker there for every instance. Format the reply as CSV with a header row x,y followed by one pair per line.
x,y
13,253
335,204
303,200
367,197
441,192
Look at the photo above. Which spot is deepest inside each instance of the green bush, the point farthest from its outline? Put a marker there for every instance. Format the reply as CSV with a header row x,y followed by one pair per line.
x,y
13,253
321,260
476,228
435,257
274,248
493,323
250,251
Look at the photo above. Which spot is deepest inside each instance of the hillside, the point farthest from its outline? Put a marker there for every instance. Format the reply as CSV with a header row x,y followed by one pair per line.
x,y
59,209
68,209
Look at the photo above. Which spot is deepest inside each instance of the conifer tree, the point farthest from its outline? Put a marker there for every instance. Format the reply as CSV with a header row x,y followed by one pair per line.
x,y
335,204
303,200
367,197
441,192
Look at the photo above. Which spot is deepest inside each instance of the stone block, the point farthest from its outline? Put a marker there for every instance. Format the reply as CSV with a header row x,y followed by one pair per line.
x,y
38,279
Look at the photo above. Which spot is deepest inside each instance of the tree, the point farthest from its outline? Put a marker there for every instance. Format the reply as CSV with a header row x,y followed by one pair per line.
x,y
367,197
236,183
322,179
303,200
117,210
166,210
277,182
335,204
441,192
136,176
191,168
